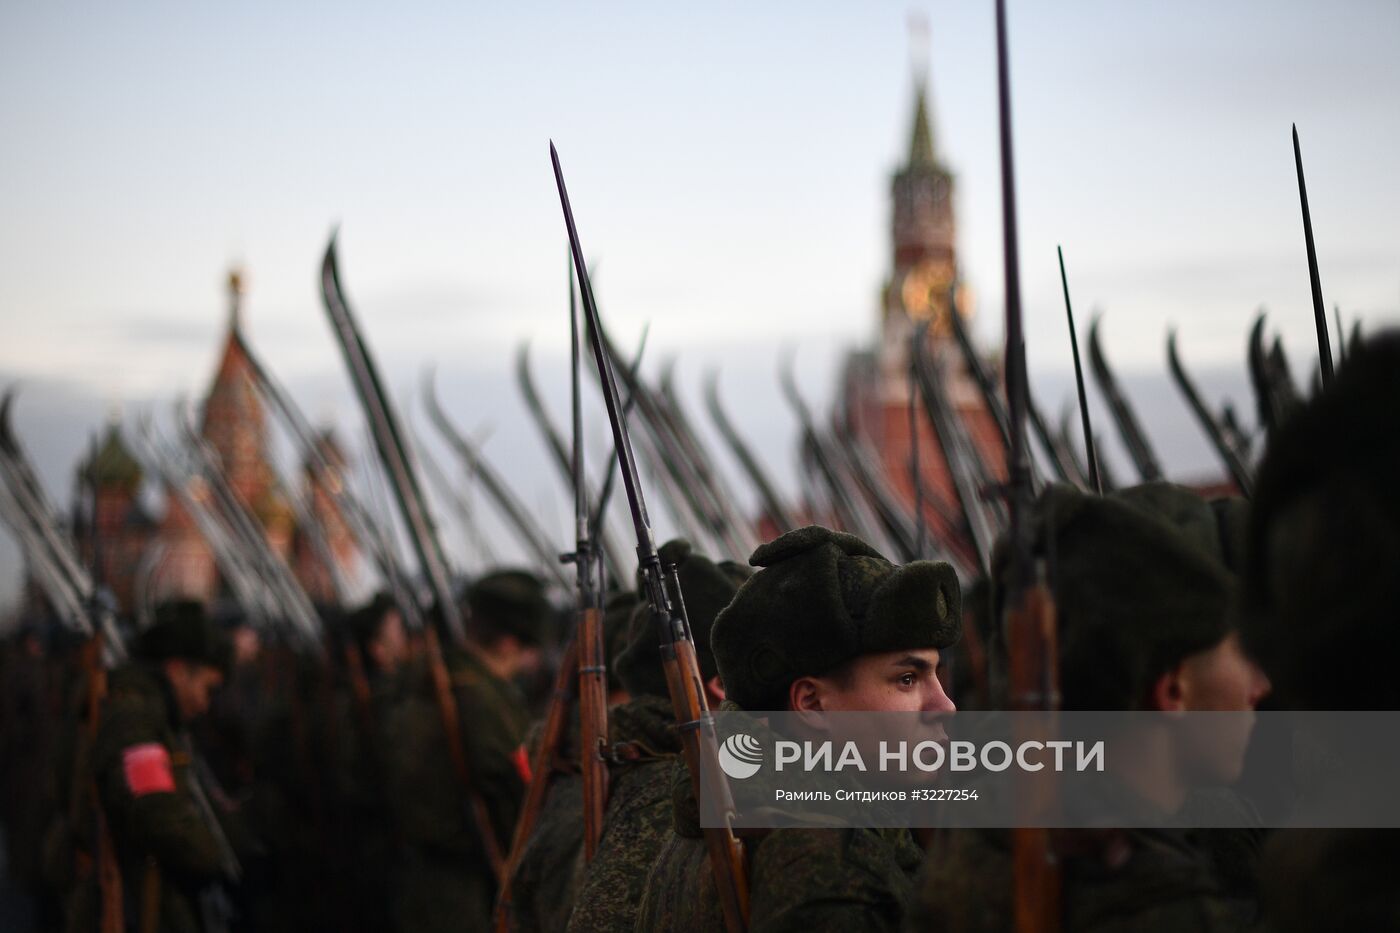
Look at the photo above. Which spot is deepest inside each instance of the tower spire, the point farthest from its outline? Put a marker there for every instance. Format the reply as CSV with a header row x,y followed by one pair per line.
x,y
235,297
921,138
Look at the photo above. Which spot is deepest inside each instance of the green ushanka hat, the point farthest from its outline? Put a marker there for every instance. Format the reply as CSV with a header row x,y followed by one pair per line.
x,y
510,602
822,598
1217,527
182,629
706,588
1139,583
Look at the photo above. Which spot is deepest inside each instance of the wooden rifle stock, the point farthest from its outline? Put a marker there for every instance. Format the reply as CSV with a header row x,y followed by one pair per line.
x,y
1034,687
451,726
109,876
728,861
541,767
593,724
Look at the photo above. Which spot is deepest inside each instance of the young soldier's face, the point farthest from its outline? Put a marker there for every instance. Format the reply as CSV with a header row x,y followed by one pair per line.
x,y
1219,679
193,685
899,681
1222,678
389,648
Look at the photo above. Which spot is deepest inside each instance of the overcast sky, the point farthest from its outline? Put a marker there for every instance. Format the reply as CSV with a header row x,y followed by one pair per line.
x,y
729,165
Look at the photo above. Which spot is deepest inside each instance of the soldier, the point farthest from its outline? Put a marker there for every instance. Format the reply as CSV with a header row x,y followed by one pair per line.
x,y
644,744
373,648
1143,603
542,891
169,841
379,639
445,879
1321,593
826,624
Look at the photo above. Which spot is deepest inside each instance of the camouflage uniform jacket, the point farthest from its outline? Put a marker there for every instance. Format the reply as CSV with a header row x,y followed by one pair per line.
x,y
638,819
546,878
444,879
1156,880
800,880
143,778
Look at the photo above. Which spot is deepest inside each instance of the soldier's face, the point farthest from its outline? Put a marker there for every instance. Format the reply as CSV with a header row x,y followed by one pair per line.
x,y
1220,679
193,687
390,648
899,681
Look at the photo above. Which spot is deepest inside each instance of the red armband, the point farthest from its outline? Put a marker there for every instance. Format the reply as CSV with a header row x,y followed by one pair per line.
x,y
148,770
522,763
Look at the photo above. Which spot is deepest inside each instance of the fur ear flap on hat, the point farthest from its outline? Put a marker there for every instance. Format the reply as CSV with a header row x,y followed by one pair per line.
x,y
923,594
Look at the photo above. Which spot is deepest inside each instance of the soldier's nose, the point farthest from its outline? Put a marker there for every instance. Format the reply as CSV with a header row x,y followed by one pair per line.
x,y
938,701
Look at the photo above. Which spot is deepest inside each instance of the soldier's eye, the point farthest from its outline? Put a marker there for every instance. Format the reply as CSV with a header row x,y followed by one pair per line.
x,y
909,679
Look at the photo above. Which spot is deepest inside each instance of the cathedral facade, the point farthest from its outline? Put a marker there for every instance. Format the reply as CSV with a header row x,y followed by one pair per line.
x,y
148,558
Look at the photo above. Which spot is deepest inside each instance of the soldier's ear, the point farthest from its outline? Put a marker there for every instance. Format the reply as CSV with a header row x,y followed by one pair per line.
x,y
1167,693
714,691
806,695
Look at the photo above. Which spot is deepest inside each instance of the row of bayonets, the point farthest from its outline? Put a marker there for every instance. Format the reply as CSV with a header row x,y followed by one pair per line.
x,y
843,480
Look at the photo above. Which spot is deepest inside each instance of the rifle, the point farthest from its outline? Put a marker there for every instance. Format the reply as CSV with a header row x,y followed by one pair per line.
x,y
718,488
851,513
968,473
773,505
53,556
238,570
1274,392
684,468
683,678
394,454
83,604
581,676
290,601
1061,459
1128,427
1341,335
369,533
612,553
1090,454
530,533
398,464
456,500
977,369
677,492
541,769
592,663
1220,438
1064,437
108,870
856,456
916,472
1030,609
1324,351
